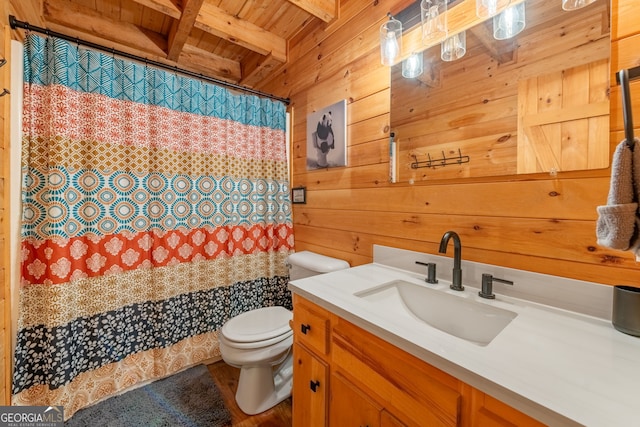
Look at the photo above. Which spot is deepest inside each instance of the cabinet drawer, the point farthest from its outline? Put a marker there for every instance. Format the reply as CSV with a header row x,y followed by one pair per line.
x,y
311,326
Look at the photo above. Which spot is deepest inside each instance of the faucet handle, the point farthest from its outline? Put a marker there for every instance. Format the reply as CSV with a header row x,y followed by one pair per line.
x,y
431,271
487,285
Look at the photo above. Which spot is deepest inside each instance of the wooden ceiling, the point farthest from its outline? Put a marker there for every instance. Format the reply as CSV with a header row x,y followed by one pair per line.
x,y
240,41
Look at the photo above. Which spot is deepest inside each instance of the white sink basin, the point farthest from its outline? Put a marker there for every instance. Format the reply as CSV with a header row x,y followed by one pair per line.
x,y
470,320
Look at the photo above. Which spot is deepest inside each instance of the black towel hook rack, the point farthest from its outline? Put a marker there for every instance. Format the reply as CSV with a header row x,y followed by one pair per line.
x,y
623,77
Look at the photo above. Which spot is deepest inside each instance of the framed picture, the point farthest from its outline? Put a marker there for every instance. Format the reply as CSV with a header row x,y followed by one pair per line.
x,y
327,137
299,195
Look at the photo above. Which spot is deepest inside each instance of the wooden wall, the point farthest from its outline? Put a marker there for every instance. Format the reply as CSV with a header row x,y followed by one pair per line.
x,y
5,271
539,223
28,10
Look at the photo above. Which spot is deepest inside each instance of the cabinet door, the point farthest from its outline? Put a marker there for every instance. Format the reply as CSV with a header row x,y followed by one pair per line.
x,y
388,420
418,393
491,412
310,389
350,407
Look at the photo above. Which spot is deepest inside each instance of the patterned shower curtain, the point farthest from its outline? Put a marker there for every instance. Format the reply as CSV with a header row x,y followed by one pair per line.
x,y
155,207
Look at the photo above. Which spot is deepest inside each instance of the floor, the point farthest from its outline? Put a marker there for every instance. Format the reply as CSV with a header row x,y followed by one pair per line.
x,y
226,378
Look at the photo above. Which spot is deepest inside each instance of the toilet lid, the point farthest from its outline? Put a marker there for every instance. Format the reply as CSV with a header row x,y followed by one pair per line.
x,y
258,325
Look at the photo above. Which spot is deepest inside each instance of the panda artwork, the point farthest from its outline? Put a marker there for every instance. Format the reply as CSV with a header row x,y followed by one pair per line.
x,y
327,134
324,139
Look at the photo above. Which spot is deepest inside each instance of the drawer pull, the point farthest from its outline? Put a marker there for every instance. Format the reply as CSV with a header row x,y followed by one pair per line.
x,y
314,385
305,328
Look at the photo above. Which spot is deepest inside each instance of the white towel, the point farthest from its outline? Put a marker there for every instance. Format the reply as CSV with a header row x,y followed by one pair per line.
x,y
618,222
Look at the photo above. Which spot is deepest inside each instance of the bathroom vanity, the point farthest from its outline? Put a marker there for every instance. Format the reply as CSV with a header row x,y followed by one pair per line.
x,y
363,357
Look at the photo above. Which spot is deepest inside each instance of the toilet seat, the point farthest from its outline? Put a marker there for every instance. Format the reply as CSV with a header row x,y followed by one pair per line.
x,y
258,328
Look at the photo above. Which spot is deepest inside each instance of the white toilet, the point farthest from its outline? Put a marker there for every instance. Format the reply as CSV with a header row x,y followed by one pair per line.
x,y
259,342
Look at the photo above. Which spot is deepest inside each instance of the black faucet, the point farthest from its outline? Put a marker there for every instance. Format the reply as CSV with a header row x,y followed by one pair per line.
x,y
456,283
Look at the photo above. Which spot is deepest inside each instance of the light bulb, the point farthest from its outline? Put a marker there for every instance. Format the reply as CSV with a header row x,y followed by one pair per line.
x,y
454,47
509,23
390,41
486,8
412,66
433,15
391,48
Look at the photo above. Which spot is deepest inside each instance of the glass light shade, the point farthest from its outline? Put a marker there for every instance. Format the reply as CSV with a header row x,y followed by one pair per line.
x,y
575,4
412,67
454,47
390,41
489,8
509,23
433,16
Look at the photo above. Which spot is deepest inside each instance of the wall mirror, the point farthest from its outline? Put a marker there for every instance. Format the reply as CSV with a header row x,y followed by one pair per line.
x,y
538,102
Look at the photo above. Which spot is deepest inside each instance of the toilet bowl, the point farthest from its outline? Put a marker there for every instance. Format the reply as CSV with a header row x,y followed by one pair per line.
x,y
259,342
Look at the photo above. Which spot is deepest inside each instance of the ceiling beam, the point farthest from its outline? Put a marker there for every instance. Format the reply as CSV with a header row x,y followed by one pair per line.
x,y
323,9
180,29
500,50
214,20
256,68
74,16
210,64
166,7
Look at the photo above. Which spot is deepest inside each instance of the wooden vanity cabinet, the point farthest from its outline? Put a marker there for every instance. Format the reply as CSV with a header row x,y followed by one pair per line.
x,y
362,380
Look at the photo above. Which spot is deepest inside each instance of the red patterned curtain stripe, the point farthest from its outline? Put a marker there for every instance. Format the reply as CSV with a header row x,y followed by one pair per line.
x,y
59,260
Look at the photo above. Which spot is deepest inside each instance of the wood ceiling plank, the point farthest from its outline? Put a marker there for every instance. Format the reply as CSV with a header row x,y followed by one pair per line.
x,y
217,22
71,15
323,9
165,6
181,28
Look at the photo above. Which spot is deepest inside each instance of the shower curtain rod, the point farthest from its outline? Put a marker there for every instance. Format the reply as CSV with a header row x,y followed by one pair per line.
x,y
15,23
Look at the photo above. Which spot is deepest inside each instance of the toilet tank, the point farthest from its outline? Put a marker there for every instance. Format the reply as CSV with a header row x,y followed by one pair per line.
x,y
305,264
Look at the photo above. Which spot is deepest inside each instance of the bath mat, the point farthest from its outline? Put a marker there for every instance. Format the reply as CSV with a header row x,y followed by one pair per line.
x,y
189,398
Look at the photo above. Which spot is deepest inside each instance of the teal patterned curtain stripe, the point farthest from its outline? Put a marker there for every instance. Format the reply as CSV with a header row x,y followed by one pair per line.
x,y
56,61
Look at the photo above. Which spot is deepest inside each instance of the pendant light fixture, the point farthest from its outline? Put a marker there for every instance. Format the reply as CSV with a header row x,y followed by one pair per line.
x,y
390,41
454,47
575,4
489,8
413,66
509,22
433,17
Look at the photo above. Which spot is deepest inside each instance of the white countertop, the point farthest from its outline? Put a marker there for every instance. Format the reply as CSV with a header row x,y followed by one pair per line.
x,y
558,366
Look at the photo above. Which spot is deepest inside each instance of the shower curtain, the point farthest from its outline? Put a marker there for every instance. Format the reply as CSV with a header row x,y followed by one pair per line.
x,y
155,207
